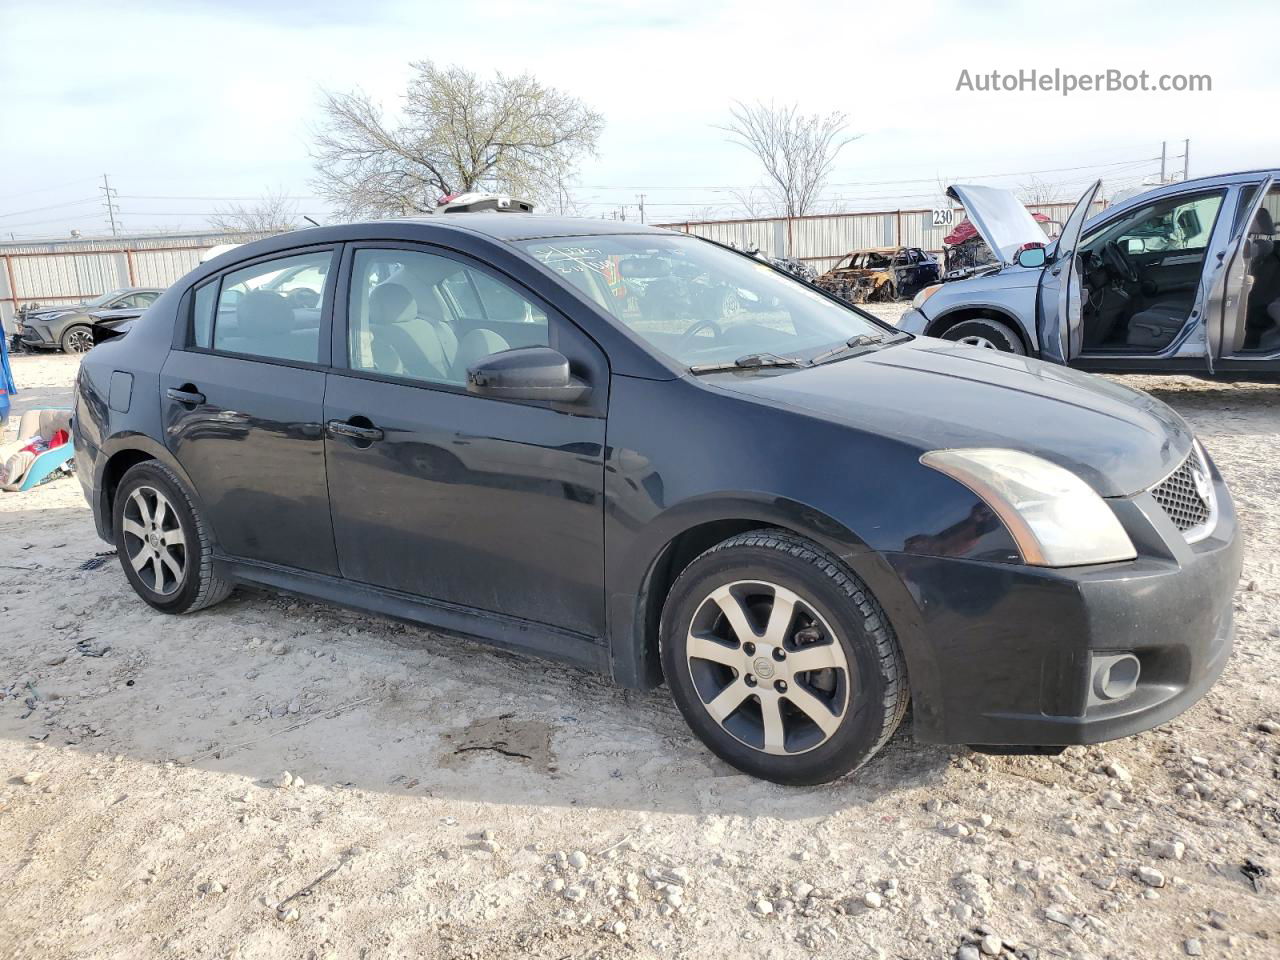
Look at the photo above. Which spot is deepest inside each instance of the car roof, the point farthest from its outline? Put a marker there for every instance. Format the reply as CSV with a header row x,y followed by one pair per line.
x,y
1181,186
531,226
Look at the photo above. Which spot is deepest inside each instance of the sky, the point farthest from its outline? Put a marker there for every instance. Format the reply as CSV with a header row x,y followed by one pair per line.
x,y
190,105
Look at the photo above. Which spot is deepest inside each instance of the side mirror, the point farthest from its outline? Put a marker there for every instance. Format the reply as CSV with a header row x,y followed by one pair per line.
x,y
1031,257
526,373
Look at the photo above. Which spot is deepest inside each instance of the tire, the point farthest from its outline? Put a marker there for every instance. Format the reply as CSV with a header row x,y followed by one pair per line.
x,y
181,533
77,338
987,332
835,621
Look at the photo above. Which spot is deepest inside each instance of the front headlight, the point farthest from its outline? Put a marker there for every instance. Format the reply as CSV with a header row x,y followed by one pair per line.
x,y
925,293
1056,519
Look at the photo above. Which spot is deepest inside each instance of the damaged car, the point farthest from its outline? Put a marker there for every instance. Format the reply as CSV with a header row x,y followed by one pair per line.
x,y
464,424
882,274
1184,278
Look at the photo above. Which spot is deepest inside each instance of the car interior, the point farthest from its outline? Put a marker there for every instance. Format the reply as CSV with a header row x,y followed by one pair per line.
x,y
1141,273
428,317
1257,326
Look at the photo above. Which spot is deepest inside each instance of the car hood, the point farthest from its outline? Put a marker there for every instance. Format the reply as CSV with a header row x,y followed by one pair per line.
x,y
1000,217
934,394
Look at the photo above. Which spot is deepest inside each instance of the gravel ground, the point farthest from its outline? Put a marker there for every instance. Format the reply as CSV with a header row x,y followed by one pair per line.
x,y
442,799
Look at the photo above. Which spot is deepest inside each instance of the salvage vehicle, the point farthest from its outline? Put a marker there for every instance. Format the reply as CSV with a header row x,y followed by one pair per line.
x,y
799,518
965,252
885,273
1181,279
70,329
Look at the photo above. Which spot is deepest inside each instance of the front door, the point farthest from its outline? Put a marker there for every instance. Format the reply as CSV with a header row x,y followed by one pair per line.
x,y
243,405
490,504
1060,308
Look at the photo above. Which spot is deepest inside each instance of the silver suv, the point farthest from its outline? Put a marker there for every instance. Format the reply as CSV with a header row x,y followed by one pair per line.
x,y
1183,278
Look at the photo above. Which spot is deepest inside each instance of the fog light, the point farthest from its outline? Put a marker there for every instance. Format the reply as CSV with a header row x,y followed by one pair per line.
x,y
1115,676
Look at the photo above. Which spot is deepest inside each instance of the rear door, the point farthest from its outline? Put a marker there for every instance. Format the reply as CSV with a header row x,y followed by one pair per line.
x,y
493,505
242,400
1059,306
1229,279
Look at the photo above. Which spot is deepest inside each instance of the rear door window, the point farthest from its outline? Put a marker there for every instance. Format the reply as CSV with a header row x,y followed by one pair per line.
x,y
272,309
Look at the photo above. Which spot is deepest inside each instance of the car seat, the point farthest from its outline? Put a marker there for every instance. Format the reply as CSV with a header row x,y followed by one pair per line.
x,y
1264,294
265,326
1156,326
22,469
404,343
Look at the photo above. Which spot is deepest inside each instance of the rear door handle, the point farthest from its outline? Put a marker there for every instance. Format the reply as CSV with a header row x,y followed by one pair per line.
x,y
354,431
190,397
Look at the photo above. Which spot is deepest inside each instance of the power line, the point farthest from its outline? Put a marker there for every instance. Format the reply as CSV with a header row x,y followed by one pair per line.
x,y
52,206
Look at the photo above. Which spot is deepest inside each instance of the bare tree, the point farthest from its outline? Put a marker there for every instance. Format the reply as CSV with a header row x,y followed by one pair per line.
x,y
456,132
796,149
273,213
756,201
1036,192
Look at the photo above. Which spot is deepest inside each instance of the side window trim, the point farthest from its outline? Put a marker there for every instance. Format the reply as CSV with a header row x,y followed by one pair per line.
x,y
327,316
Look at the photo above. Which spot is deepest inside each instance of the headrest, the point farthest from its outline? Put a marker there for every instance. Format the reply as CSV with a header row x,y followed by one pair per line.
x,y
264,311
391,303
1263,223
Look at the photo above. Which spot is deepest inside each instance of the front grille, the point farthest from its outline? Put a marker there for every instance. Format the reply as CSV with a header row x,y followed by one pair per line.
x,y
1180,498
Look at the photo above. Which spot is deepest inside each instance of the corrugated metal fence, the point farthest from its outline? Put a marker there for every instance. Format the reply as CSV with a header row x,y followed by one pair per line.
x,y
76,270
823,239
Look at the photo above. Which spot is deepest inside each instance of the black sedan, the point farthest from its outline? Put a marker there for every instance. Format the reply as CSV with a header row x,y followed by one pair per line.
x,y
797,516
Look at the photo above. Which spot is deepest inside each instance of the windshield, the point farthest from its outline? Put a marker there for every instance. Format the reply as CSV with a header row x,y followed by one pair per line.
x,y
698,303
104,299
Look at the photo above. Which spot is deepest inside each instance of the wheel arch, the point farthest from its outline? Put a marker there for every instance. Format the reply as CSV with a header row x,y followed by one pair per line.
x,y
944,322
119,455
638,594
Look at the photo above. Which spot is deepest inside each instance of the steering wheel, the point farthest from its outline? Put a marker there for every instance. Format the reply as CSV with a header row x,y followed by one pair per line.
x,y
303,297
698,327
1119,261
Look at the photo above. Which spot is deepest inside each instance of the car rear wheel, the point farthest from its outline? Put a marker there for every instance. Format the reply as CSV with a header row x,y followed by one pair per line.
x,y
988,333
77,339
781,660
163,545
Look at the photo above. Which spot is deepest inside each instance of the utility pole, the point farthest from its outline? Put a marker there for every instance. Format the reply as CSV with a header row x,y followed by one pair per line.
x,y
640,198
1186,157
108,198
1164,150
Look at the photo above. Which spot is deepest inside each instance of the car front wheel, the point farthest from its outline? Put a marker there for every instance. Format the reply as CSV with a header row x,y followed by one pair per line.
x,y
781,660
163,544
987,333
77,339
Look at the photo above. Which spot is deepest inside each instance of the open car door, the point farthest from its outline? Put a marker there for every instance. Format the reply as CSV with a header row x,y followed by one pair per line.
x,y
1229,281
1060,313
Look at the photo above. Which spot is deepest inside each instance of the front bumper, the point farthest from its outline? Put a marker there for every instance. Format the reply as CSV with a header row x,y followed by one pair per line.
x,y
913,321
1006,654
34,336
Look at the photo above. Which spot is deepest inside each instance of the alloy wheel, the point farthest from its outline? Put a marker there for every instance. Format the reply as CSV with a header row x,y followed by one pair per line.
x,y
976,341
154,540
767,667
79,341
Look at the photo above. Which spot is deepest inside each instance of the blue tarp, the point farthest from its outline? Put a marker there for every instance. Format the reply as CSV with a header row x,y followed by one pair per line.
x,y
7,389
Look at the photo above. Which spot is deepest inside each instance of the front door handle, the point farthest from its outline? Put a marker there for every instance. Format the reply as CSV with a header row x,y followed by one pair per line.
x,y
192,398
354,431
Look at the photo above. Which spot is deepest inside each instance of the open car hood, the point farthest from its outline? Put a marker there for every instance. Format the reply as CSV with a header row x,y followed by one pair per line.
x,y
1001,218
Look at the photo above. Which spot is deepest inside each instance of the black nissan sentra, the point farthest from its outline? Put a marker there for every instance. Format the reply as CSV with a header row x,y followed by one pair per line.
x,y
654,457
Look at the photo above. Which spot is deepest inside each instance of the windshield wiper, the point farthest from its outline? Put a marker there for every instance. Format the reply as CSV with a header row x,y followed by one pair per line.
x,y
750,361
853,343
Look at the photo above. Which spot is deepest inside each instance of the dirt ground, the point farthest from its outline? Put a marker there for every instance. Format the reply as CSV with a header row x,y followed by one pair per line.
x,y
451,801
